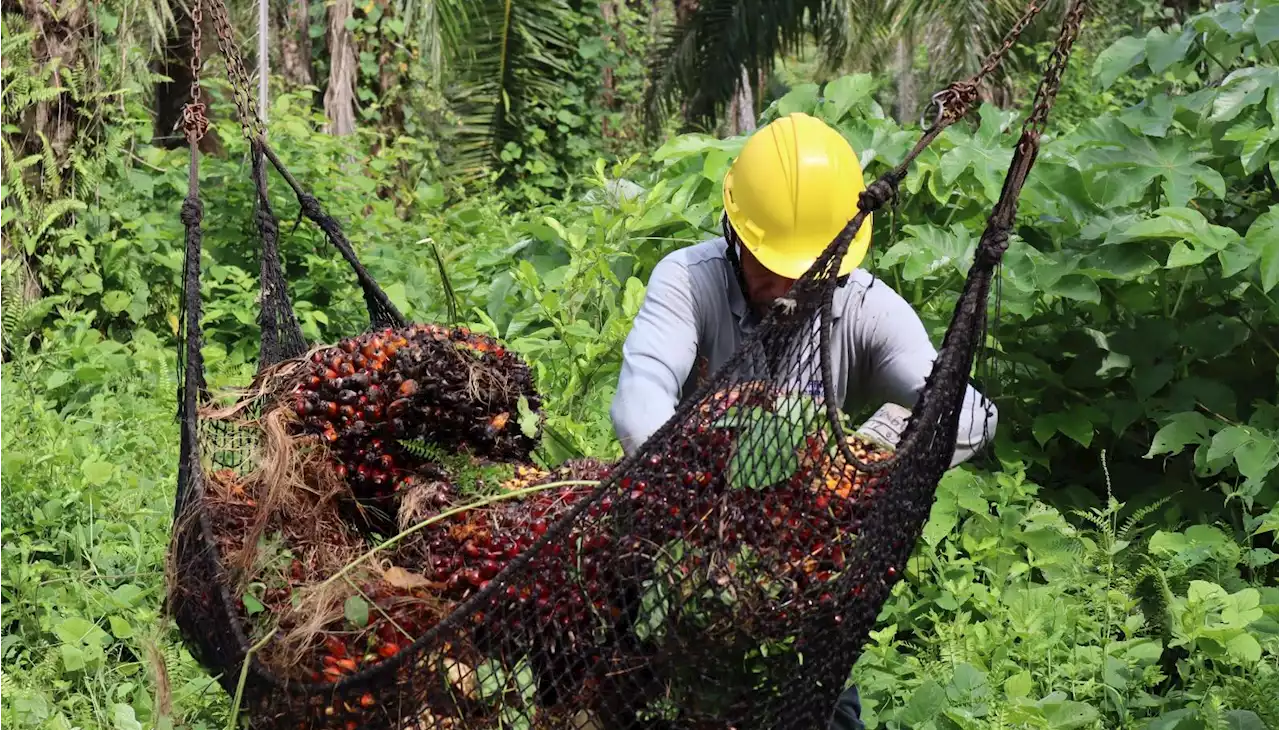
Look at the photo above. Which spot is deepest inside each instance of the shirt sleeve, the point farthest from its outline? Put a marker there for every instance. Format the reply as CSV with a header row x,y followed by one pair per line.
x,y
901,357
657,356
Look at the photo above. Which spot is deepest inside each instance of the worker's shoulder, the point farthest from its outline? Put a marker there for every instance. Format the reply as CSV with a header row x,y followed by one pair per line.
x,y
699,265
707,254
865,295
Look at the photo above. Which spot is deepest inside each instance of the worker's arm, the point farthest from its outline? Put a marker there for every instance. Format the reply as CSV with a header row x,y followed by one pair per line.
x,y
901,357
657,356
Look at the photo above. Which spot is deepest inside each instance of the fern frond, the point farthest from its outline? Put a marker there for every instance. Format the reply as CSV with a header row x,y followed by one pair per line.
x,y
55,210
1131,523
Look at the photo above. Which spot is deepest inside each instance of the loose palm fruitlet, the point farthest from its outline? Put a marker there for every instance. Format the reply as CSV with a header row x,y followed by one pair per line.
x,y
455,388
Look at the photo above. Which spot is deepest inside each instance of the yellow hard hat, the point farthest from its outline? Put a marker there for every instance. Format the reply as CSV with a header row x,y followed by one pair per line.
x,y
793,187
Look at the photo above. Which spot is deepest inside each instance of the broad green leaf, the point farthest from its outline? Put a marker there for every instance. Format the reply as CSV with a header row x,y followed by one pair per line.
x,y
1165,49
1244,648
123,717
1256,457
528,419
1242,88
1117,59
115,301
1074,423
988,158
1019,685
1266,24
1247,719
1068,714
1121,172
1180,431
843,94
632,297
356,610
926,702
97,472
252,605
120,628
801,98
1262,237
1078,287
1258,148
930,250
1194,238
396,293
72,658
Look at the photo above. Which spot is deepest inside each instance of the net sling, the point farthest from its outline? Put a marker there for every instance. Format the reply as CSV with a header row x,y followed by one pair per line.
x,y
724,576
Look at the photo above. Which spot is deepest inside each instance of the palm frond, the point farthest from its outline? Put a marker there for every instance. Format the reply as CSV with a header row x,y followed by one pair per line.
x,y
519,48
700,60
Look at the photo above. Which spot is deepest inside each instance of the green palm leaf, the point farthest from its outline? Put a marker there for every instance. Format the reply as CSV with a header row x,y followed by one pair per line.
x,y
700,60
517,50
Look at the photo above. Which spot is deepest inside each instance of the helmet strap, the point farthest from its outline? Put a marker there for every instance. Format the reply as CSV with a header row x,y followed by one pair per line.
x,y
732,243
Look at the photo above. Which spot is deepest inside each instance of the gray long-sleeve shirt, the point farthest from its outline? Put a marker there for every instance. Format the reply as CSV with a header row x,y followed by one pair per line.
x,y
694,312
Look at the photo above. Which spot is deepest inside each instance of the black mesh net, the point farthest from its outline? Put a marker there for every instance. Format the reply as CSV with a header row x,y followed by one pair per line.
x,y
362,540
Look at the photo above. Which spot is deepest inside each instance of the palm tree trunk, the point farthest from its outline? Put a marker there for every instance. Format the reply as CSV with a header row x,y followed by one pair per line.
x,y
339,96
906,81
295,41
741,112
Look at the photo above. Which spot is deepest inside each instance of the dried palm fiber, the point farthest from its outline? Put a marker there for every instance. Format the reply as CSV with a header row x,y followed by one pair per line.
x,y
726,575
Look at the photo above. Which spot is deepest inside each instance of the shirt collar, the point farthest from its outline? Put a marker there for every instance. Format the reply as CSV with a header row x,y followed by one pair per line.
x,y
747,319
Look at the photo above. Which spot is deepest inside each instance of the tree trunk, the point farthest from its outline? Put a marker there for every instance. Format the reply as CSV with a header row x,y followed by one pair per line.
x,y
295,41
172,96
609,11
339,96
908,109
741,112
57,28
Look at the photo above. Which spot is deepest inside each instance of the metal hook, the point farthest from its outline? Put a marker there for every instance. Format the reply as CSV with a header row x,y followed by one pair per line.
x,y
935,102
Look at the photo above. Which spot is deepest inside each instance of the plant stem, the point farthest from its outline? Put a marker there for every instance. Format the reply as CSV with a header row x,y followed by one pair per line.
x,y
346,569
1186,277
244,676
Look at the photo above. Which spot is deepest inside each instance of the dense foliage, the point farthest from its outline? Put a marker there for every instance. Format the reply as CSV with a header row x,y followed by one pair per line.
x,y
1113,565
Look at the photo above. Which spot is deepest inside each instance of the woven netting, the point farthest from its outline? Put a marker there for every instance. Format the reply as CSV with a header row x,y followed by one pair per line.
x,y
344,556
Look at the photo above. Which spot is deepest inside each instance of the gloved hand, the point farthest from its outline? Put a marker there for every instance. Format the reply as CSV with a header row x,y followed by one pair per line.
x,y
885,426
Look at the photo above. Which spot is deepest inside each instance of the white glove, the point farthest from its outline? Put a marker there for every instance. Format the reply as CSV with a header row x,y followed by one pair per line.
x,y
886,425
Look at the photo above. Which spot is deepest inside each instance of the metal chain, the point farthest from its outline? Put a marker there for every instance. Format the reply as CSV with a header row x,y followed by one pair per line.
x,y
1047,91
246,107
953,102
194,120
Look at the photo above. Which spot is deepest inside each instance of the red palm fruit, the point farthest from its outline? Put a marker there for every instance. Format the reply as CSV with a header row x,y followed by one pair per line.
x,y
407,388
334,646
329,660
347,665
332,674
366,700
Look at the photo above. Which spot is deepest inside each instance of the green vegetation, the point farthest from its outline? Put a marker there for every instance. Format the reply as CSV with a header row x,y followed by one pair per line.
x,y
1113,564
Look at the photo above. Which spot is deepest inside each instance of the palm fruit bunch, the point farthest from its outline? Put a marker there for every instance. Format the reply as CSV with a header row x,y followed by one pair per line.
x,y
455,388
570,587
772,547
464,552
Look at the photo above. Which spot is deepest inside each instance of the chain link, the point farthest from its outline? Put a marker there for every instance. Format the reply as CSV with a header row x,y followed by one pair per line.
x,y
1047,91
246,107
194,120
953,103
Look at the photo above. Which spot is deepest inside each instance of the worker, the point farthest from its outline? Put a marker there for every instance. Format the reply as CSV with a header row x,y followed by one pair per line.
x,y
792,188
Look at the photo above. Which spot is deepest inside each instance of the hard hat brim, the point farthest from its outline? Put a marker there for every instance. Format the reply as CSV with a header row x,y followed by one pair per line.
x,y
782,260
